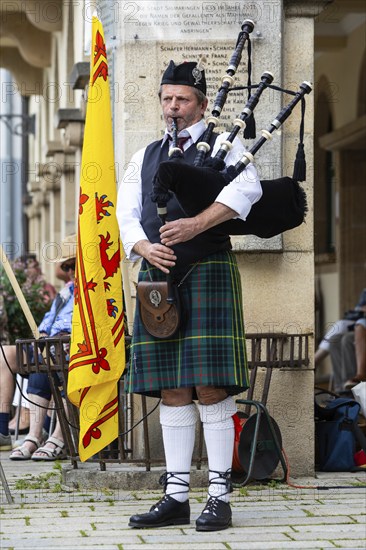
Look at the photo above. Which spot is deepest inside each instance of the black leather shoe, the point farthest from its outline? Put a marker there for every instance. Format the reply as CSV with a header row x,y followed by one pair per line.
x,y
216,516
167,511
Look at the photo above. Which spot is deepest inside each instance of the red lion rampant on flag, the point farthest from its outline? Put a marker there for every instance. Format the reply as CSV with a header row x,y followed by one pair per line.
x,y
100,51
110,265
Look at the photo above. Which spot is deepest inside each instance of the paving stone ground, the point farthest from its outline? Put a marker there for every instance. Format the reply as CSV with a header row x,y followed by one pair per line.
x,y
46,514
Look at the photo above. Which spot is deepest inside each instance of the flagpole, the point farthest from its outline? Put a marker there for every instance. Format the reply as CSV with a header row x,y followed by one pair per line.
x,y
19,294
127,294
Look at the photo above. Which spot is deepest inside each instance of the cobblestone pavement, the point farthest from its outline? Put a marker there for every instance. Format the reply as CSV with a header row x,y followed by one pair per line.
x,y
48,515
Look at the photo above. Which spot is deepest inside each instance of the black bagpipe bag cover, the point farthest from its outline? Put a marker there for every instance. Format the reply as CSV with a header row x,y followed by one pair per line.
x,y
282,206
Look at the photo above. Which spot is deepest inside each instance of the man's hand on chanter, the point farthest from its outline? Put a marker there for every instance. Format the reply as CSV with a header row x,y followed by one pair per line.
x,y
184,229
156,254
179,231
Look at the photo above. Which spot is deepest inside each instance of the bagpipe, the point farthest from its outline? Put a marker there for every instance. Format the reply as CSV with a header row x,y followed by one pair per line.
x,y
283,204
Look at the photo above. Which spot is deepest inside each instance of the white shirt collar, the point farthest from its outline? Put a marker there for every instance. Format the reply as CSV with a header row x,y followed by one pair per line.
x,y
195,131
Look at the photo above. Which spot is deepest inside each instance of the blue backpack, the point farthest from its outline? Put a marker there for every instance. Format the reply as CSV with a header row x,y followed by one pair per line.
x,y
336,434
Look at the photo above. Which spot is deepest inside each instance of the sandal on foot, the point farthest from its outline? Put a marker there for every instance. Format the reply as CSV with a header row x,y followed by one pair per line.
x,y
22,452
58,453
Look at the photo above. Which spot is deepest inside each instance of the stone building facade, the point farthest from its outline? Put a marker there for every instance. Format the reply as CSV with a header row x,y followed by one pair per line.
x,y
46,46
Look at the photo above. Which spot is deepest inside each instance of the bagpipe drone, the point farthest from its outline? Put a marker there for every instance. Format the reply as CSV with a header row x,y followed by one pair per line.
x,y
283,204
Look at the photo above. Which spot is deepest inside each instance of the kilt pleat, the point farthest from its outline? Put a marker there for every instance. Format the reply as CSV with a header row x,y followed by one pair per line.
x,y
209,348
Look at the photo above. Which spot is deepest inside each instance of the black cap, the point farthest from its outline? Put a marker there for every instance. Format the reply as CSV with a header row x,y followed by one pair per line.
x,y
185,74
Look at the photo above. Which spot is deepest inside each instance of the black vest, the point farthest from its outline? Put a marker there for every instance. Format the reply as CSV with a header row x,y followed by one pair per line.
x,y
202,245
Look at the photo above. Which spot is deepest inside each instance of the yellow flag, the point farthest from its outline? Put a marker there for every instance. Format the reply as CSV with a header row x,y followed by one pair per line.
x,y
97,354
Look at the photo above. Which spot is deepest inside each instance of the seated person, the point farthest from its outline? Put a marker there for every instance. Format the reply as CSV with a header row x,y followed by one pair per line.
x,y
19,424
339,342
39,393
56,321
360,352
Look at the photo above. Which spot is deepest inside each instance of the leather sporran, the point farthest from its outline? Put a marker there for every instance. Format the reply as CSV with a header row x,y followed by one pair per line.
x,y
160,318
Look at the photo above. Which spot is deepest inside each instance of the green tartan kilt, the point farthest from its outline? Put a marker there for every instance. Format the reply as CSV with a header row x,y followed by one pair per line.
x,y
209,348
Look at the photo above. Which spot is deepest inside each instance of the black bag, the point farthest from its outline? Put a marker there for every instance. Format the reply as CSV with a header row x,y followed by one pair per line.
x,y
336,433
283,205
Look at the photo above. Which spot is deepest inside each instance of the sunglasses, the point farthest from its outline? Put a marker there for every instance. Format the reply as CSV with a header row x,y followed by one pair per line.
x,y
67,267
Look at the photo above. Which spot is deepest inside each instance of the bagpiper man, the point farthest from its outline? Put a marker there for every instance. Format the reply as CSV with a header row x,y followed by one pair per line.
x,y
205,360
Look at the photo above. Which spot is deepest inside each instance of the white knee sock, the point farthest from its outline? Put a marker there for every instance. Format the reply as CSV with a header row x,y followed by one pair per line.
x,y
218,426
178,426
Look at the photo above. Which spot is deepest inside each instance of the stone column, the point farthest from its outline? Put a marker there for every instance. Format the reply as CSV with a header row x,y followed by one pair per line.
x,y
59,180
44,206
34,216
51,191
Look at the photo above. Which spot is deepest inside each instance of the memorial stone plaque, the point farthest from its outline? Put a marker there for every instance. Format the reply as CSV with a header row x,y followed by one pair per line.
x,y
151,33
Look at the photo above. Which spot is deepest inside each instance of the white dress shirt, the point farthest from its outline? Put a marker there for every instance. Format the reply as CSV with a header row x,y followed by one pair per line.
x,y
239,195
